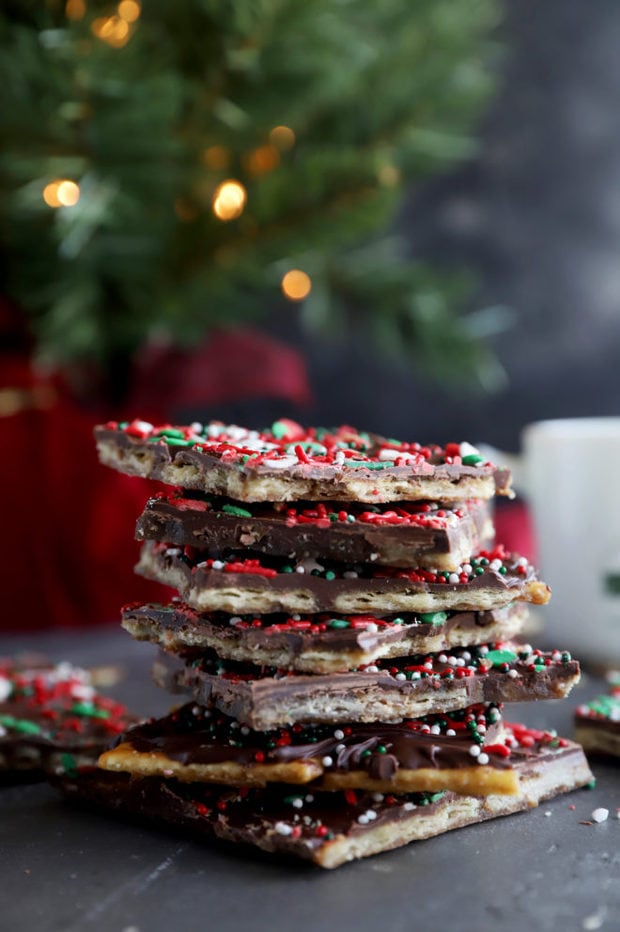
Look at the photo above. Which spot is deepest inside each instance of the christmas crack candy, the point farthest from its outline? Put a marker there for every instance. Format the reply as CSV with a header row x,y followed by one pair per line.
x,y
287,462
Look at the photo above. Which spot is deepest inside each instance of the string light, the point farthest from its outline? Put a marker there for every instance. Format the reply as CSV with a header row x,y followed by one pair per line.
x,y
111,29
229,200
129,10
61,193
296,285
283,137
216,158
75,9
262,160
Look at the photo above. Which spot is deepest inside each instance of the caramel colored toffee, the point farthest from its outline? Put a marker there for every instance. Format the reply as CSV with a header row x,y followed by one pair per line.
x,y
272,584
387,690
317,643
465,751
597,723
327,829
288,462
51,719
399,534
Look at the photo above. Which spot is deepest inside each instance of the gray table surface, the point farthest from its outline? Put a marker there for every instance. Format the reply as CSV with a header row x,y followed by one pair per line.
x,y
63,868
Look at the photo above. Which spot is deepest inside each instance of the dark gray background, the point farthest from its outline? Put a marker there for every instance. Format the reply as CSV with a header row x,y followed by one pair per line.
x,y
537,215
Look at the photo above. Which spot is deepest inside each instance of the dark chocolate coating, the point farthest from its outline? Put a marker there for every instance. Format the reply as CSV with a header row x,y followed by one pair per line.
x,y
388,690
428,541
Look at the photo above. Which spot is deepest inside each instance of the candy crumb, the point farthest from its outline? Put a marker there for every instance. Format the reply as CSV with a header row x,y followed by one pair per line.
x,y
600,815
547,813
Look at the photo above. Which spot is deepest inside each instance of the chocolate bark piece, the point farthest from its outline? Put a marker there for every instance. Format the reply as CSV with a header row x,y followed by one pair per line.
x,y
426,534
466,752
290,463
597,723
51,719
385,691
317,643
271,584
327,829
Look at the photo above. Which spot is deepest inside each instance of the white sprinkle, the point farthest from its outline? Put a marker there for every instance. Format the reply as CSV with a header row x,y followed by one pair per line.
x,y
483,758
400,676
450,733
172,551
362,819
296,617
428,665
482,728
466,449
234,620
339,458
459,662
308,565
168,772
466,655
327,761
372,668
283,829
340,747
409,806
474,750
245,730
143,425
435,730
483,649
298,802
3,733
339,734
373,557
495,565
443,658
378,797
522,561
196,426
600,815
453,579
466,568
283,462
350,574
371,815
547,814
218,565
416,675
309,798
372,627
513,674
300,569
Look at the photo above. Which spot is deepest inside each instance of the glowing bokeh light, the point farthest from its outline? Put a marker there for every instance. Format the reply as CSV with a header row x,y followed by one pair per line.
x,y
129,10
229,200
75,9
61,193
283,137
296,285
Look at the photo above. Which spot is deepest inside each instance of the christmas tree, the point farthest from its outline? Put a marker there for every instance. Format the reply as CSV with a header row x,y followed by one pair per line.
x,y
168,168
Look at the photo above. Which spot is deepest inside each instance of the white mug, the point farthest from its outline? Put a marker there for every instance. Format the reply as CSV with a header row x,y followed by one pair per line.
x,y
570,473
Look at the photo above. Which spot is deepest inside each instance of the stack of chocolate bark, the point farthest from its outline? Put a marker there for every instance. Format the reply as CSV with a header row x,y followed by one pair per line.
x,y
347,631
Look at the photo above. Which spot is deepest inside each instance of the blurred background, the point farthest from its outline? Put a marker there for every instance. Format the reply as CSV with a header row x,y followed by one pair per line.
x,y
400,215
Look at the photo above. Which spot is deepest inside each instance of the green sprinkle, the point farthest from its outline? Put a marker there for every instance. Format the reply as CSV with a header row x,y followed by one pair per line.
x,y
434,618
332,516
338,623
90,710
366,753
498,657
235,510
287,569
484,561
398,621
478,571
366,464
170,433
69,764
279,430
21,725
381,749
330,575
566,657
503,570
178,442
591,785
474,459
351,519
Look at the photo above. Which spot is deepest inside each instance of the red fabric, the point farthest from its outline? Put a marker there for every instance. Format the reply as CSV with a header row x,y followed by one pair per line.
x,y
68,552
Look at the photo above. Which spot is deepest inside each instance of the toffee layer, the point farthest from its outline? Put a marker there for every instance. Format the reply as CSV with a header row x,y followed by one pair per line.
x,y
290,463
401,534
317,644
328,829
466,751
385,691
488,581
